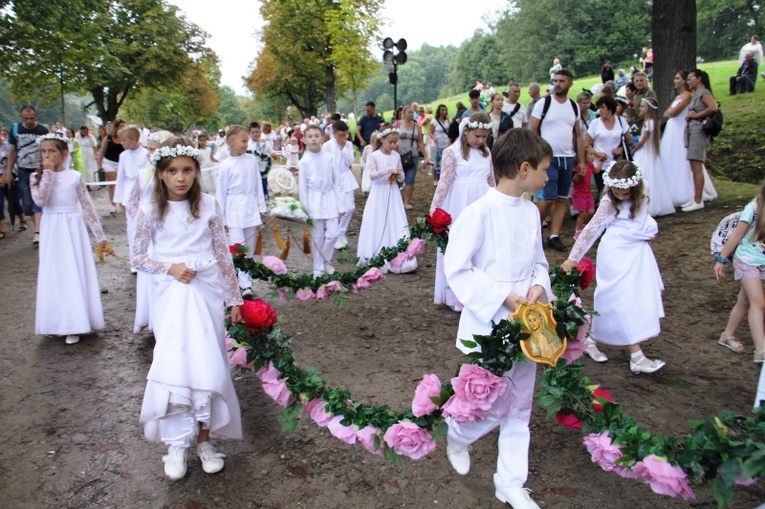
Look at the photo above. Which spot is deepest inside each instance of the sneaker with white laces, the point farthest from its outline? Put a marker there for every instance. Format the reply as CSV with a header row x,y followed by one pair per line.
x,y
175,463
72,339
212,460
459,456
519,498
36,239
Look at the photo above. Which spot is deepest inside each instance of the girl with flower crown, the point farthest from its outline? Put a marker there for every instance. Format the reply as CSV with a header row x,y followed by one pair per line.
x,y
646,155
466,175
629,285
189,392
384,222
68,295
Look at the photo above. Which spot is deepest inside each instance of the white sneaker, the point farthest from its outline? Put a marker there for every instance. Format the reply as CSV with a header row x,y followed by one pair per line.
x,y
342,242
212,460
693,206
133,270
36,239
519,498
688,203
70,340
175,463
459,456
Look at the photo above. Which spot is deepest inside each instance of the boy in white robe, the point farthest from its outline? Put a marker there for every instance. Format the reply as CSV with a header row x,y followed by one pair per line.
x,y
494,262
342,150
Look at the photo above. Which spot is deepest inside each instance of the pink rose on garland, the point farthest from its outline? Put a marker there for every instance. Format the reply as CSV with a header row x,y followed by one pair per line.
x,y
664,478
229,343
334,286
408,439
258,315
238,358
477,386
460,411
304,294
275,265
274,386
345,433
282,294
429,387
362,284
321,293
415,247
366,437
575,347
603,452
316,408
398,261
269,374
373,275
570,421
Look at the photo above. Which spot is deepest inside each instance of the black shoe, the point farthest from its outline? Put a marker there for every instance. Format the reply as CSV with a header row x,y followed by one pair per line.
x,y
556,243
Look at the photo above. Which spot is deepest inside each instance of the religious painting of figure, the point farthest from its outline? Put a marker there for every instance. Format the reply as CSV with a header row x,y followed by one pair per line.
x,y
543,344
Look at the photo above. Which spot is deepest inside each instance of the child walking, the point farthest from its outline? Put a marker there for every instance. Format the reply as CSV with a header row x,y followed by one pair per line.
x,y
466,175
745,243
384,222
68,295
629,285
320,189
581,198
366,182
189,391
493,263
292,151
132,160
342,152
646,155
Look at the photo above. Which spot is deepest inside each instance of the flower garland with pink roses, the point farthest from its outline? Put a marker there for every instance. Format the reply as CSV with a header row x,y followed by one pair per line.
x,y
725,450
306,287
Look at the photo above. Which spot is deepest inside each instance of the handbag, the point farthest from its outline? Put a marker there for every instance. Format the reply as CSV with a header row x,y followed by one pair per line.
x,y
626,149
407,159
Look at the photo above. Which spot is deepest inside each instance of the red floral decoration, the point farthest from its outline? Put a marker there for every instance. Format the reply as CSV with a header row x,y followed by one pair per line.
x,y
600,393
440,220
258,315
237,250
570,421
587,270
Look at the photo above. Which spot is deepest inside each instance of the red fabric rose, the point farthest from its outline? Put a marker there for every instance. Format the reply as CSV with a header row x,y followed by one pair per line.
x,y
570,421
258,315
440,220
587,270
237,250
597,394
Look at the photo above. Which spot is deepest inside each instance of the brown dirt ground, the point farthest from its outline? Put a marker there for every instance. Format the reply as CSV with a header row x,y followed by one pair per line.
x,y
70,413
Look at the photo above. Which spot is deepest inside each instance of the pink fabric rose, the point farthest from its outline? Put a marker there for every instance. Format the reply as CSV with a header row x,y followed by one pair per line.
x,y
740,481
279,392
316,409
574,349
229,343
321,293
663,478
362,284
398,262
477,386
269,374
334,286
275,265
460,411
408,439
603,452
345,433
239,358
414,248
429,387
373,275
366,437
570,421
304,294
282,294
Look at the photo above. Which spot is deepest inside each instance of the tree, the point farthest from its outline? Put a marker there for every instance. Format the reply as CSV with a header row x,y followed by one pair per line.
x,y
674,42
314,50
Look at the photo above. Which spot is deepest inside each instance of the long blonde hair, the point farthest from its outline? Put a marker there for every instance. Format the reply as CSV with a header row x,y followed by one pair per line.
x,y
652,113
194,194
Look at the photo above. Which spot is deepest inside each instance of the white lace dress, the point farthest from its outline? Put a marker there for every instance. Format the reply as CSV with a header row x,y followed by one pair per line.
x,y
190,368
384,222
462,182
646,157
676,167
629,285
68,295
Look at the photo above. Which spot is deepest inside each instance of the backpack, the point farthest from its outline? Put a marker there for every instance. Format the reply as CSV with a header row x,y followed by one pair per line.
x,y
724,229
713,124
546,106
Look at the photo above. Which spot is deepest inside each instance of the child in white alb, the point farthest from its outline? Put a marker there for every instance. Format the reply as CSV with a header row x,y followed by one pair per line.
x,y
292,150
628,283
366,182
189,392
342,151
494,262
320,190
384,222
132,160
68,295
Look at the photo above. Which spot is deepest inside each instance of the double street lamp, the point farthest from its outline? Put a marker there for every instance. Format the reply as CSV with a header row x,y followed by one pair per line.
x,y
395,59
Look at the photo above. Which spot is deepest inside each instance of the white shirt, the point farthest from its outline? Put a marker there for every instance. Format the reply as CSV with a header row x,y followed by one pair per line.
x,y
343,158
756,50
240,191
558,126
520,118
320,184
604,140
131,162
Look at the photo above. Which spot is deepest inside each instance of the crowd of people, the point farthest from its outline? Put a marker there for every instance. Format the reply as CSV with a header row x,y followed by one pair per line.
x,y
504,171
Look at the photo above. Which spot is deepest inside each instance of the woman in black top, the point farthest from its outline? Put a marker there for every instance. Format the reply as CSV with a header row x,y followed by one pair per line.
x,y
109,155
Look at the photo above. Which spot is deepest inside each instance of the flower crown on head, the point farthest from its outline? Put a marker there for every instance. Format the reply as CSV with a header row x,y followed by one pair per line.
x,y
386,132
153,137
650,104
177,151
477,125
623,183
52,136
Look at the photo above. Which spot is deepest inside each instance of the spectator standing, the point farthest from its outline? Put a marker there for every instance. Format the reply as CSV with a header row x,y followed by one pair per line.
x,y
534,94
606,73
696,140
554,69
475,104
512,107
367,124
621,79
88,146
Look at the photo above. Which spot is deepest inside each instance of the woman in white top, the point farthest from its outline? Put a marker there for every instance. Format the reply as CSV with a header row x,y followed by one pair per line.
x,y
439,133
605,135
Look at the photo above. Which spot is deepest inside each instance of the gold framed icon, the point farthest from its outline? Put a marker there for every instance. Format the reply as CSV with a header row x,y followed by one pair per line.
x,y
543,345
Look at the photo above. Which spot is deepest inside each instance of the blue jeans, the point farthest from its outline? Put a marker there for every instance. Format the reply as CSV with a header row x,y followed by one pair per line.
x,y
439,157
27,204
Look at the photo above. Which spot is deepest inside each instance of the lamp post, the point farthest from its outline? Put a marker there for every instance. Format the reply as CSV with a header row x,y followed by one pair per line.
x,y
395,59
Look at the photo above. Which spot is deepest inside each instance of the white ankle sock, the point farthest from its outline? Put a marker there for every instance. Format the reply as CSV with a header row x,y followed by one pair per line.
x,y
636,356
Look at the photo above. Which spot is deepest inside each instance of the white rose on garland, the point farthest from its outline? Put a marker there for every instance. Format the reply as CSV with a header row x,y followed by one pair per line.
x,y
288,207
281,181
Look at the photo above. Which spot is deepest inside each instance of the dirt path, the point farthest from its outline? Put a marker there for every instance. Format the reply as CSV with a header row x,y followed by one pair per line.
x,y
70,413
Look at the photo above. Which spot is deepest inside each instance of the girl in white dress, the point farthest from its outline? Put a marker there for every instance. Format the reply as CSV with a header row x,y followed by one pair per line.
x,y
646,155
466,175
384,222
68,296
629,286
189,391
